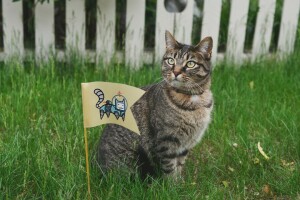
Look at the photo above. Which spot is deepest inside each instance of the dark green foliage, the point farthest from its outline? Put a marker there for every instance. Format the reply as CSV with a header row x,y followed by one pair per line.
x,y
276,25
225,13
60,23
91,21
120,24
150,21
28,20
251,22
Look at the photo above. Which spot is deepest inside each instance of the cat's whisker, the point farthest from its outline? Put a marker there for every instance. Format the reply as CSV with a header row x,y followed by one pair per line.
x,y
160,78
199,87
194,90
160,85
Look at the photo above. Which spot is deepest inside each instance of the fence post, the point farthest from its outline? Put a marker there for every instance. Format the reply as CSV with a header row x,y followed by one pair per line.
x,y
184,23
106,23
135,23
164,21
288,27
263,28
237,30
13,29
75,27
44,30
211,23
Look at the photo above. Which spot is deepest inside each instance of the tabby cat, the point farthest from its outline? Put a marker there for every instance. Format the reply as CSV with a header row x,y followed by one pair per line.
x,y
172,116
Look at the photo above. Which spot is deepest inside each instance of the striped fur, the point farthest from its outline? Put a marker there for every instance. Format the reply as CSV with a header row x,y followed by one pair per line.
x,y
100,95
172,116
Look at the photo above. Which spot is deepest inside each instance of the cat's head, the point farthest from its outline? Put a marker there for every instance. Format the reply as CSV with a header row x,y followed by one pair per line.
x,y
120,105
187,68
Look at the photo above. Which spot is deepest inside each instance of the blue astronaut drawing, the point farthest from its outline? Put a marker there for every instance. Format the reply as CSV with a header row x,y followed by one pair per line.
x,y
117,106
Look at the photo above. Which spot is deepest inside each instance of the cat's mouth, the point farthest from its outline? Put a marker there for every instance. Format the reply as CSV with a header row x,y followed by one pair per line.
x,y
176,83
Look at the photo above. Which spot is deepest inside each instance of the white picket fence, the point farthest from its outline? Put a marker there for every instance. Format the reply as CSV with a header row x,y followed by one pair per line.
x,y
178,23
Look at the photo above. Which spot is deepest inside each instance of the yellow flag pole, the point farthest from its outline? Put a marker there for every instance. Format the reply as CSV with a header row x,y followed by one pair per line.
x,y
87,161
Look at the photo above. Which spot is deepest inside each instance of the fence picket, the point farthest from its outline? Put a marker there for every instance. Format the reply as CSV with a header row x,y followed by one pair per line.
x,y
237,30
288,26
211,23
184,23
263,28
44,30
13,33
75,22
135,23
106,23
164,21
180,24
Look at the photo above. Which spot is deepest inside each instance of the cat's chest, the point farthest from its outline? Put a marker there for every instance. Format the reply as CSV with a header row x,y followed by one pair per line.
x,y
191,132
190,126
197,121
187,124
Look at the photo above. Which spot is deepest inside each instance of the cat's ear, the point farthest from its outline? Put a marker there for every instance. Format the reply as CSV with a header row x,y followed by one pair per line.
x,y
205,47
171,43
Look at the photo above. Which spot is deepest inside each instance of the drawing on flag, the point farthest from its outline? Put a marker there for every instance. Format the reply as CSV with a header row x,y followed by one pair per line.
x,y
105,102
116,106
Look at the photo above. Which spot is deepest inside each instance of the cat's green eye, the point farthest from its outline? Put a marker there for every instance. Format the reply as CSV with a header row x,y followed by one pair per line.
x,y
171,61
190,64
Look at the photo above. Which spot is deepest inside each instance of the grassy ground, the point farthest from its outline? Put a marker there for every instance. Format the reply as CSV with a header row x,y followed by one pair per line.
x,y
42,149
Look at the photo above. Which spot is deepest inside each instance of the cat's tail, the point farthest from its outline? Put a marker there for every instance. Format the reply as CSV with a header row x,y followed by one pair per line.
x,y
100,95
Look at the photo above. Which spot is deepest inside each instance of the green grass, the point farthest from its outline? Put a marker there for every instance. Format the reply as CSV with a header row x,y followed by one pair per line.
x,y
42,148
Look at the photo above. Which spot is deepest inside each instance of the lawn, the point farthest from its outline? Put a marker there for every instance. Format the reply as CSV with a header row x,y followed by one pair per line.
x,y
42,146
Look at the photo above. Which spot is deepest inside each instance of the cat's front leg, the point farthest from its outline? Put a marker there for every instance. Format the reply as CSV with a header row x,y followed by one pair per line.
x,y
168,167
171,163
173,167
180,162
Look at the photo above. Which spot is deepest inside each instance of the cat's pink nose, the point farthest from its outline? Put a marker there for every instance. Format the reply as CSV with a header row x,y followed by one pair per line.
x,y
176,73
